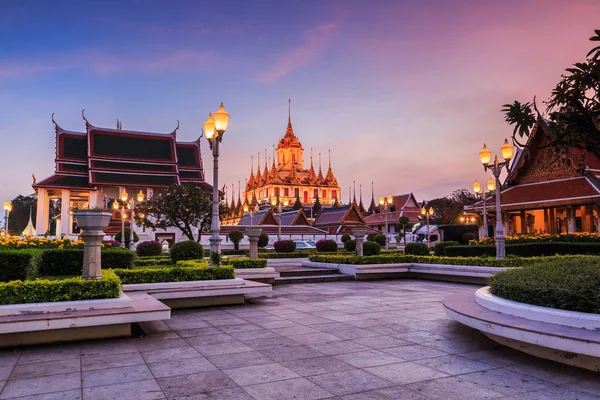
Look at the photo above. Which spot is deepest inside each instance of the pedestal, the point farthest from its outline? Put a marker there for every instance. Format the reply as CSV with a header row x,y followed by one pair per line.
x,y
92,224
253,236
359,237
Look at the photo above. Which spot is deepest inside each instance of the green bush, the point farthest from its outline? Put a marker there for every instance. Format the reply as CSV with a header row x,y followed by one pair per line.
x,y
371,237
379,239
296,254
371,248
174,274
470,251
127,235
263,240
54,262
233,252
440,248
416,248
245,262
44,290
467,237
327,246
236,237
187,250
18,264
147,261
149,249
350,245
284,246
527,249
561,284
117,258
346,237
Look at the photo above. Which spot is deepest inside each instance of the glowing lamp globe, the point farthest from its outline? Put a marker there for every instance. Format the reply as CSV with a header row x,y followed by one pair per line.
x,y
286,202
390,199
209,127
430,210
246,209
7,206
476,186
273,201
221,119
381,201
423,210
506,150
140,197
485,155
115,205
165,246
491,185
124,196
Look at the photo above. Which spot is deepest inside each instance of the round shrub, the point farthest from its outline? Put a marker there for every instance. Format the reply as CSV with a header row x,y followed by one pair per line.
x,y
118,237
236,237
418,249
371,248
371,237
564,284
327,246
350,245
346,237
467,237
379,239
284,246
188,250
149,249
440,248
263,240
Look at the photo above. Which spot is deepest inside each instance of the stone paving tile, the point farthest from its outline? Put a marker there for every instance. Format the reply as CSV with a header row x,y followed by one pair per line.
x,y
414,352
110,376
381,342
406,372
105,347
181,367
222,348
454,388
141,390
39,385
49,354
554,393
236,360
187,333
182,386
111,361
549,371
206,340
369,358
5,373
587,385
181,325
252,335
276,341
347,382
62,395
318,337
158,344
454,365
223,394
317,365
391,329
239,328
393,393
288,353
260,373
506,381
294,330
8,359
291,389
178,353
23,371
341,347
499,357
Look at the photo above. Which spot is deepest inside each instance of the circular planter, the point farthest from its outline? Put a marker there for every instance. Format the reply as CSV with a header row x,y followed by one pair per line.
x,y
93,220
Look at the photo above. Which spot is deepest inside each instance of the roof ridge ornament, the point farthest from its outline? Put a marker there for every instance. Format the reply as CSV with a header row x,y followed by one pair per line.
x,y
87,123
175,131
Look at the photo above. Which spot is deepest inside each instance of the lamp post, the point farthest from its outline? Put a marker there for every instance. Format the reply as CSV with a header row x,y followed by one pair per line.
x,y
275,202
426,212
140,198
124,198
480,190
7,210
386,202
251,210
485,156
214,129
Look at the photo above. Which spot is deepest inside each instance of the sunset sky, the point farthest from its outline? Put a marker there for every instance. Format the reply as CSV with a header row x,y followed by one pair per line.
x,y
404,93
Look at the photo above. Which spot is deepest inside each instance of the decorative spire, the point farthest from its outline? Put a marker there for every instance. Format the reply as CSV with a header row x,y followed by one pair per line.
x,y
320,171
349,194
232,198
354,192
239,207
289,113
266,165
258,178
372,206
330,178
361,206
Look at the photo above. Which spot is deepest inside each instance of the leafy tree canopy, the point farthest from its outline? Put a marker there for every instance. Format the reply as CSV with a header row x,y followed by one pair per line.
x,y
448,209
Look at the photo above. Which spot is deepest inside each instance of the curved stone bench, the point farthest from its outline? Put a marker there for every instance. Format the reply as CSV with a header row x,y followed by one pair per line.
x,y
265,275
526,328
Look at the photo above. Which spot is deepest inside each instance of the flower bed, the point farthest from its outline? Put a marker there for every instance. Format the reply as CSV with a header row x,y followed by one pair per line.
x,y
174,274
245,262
18,243
526,249
566,284
577,237
52,290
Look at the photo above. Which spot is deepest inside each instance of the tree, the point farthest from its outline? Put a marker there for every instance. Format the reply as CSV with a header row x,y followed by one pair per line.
x,y
298,203
573,109
127,236
181,206
317,207
19,216
403,224
236,237
448,209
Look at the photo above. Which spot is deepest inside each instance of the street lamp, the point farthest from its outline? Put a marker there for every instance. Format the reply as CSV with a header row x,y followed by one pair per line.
x,y
214,129
124,197
386,202
485,156
140,198
251,210
7,210
426,212
480,190
276,202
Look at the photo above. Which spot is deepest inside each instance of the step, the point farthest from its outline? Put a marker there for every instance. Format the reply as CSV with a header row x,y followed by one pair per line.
x,y
313,279
308,272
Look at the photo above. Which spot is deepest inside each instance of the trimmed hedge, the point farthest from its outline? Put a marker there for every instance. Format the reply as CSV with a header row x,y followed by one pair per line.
x,y
284,246
379,239
371,248
245,262
44,290
350,245
527,249
327,246
296,254
187,250
346,237
419,249
174,274
55,262
151,248
18,264
440,248
263,240
147,261
562,284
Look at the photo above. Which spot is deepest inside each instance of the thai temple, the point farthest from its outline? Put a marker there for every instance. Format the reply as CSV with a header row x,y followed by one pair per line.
x,y
287,179
93,168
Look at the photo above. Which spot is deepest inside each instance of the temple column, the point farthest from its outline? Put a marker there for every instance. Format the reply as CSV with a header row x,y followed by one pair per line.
x,y
506,219
597,209
570,220
586,221
552,218
65,218
523,217
546,221
43,208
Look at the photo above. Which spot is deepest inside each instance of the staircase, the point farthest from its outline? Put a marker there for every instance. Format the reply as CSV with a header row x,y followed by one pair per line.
x,y
311,275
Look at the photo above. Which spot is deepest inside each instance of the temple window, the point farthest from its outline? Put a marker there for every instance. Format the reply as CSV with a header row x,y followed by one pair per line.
x,y
324,193
286,192
334,194
315,193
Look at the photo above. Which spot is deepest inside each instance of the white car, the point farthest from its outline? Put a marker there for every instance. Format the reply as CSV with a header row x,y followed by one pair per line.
x,y
305,244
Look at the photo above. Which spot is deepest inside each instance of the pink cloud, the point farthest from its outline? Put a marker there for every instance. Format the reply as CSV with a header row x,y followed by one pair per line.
x,y
316,41
102,63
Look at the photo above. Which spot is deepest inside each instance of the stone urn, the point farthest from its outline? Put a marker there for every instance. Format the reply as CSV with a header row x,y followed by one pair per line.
x,y
398,241
359,237
92,224
253,234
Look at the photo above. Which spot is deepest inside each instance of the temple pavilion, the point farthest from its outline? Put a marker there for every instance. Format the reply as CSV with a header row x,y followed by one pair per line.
x,y
548,192
287,178
94,167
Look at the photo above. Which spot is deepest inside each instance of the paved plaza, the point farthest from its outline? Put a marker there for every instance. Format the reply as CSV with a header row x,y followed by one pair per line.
x,y
340,340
